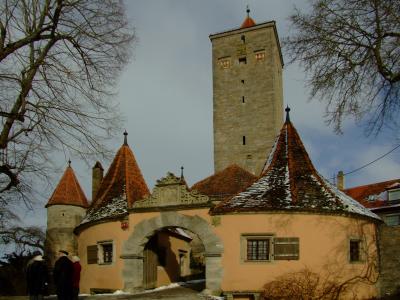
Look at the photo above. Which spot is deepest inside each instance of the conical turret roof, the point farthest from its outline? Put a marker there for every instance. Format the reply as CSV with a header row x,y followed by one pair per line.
x,y
68,191
289,182
120,188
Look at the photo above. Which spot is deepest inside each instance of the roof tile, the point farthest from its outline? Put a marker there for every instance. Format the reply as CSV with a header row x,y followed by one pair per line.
x,y
68,191
289,181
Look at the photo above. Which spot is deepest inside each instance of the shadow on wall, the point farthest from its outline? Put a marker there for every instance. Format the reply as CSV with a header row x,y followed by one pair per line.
x,y
335,280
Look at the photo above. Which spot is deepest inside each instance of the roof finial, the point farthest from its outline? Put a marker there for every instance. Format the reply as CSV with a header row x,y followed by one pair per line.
x,y
125,138
287,109
69,162
248,10
182,172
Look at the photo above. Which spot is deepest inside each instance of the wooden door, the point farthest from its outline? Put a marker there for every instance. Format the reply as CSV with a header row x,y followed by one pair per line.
x,y
150,263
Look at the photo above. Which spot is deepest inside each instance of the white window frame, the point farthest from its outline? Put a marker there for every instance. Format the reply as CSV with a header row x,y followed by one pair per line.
x,y
391,192
392,215
100,252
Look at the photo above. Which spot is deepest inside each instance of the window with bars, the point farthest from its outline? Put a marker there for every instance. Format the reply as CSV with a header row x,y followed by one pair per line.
x,y
258,249
105,252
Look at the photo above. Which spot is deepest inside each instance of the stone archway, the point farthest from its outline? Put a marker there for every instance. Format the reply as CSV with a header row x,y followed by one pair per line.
x,y
132,252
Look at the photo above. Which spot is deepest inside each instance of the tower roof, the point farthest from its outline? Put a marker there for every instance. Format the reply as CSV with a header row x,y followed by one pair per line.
x,y
289,182
120,188
248,22
225,183
68,191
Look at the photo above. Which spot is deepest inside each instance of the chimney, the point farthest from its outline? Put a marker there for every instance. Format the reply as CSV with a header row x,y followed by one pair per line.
x,y
97,177
340,180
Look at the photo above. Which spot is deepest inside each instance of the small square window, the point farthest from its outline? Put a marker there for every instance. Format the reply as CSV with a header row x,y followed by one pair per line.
x,y
106,250
392,220
224,63
394,194
242,60
259,55
355,250
258,249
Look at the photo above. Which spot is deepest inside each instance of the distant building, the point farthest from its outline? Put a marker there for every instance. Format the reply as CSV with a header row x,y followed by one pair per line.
x,y
383,198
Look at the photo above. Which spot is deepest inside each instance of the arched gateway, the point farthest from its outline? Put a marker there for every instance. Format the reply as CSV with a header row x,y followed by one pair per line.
x,y
133,248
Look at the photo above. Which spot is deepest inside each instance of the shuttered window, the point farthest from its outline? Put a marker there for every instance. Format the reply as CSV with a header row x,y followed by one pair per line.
x,y
286,248
92,254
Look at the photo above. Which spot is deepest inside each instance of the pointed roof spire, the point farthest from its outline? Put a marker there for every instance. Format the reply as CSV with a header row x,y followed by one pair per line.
x,y
68,191
287,109
123,177
290,182
182,172
125,137
248,22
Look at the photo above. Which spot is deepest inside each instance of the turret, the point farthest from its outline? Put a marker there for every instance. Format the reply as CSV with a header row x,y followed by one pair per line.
x,y
65,210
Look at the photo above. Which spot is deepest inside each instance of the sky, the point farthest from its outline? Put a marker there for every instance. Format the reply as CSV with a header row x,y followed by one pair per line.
x,y
165,96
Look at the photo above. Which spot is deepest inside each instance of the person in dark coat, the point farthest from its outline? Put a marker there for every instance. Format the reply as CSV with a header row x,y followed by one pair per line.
x,y
62,273
36,277
76,276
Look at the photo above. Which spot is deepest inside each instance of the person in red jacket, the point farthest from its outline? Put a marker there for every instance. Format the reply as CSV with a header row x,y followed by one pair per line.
x,y
76,276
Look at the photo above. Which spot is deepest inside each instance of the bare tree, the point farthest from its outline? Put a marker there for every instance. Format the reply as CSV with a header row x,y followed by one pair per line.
x,y
23,238
59,65
350,50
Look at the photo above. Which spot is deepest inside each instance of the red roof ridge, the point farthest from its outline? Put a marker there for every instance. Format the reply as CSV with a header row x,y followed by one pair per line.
x,y
68,191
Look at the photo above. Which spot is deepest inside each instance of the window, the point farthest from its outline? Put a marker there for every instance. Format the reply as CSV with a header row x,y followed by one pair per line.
x,y
242,60
267,248
105,252
392,220
259,55
242,81
243,38
224,63
286,248
258,249
244,140
355,250
242,99
394,194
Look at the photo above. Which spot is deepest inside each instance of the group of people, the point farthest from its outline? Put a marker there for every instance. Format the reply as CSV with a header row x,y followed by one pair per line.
x,y
66,275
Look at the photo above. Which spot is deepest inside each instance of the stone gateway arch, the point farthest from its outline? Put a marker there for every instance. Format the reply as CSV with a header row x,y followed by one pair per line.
x,y
133,248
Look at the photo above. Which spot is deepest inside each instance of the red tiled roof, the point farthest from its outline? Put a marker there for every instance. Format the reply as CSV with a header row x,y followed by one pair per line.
x,y
361,193
68,191
289,181
123,176
225,183
248,22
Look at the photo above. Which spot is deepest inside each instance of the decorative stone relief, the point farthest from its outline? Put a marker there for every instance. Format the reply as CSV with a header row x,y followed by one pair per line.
x,y
171,191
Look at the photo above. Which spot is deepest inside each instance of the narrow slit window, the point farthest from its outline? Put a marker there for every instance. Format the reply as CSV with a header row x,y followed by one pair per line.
x,y
244,140
242,81
242,99
242,60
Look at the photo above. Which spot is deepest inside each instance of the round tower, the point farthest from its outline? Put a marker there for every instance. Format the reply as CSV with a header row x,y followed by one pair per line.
x,y
65,210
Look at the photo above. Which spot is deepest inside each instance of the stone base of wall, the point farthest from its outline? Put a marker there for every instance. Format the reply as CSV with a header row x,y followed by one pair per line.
x,y
389,244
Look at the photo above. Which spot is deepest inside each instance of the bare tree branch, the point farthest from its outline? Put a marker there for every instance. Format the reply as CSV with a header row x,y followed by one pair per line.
x,y
350,50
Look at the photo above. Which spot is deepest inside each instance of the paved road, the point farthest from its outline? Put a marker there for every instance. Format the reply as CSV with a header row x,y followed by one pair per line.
x,y
178,293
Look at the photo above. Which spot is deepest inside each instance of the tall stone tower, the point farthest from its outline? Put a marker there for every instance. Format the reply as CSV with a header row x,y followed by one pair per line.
x,y
65,210
247,94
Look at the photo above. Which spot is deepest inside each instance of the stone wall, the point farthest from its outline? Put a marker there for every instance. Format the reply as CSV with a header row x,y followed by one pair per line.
x,y
247,97
389,241
61,221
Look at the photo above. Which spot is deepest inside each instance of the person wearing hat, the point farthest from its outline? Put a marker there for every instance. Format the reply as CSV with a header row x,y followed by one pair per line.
x,y
62,273
36,277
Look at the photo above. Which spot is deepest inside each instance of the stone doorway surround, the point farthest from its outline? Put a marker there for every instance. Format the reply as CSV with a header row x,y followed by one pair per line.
x,y
132,251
